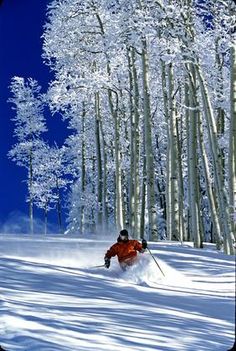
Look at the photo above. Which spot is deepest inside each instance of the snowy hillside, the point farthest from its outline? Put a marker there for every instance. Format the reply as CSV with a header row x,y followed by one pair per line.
x,y
52,299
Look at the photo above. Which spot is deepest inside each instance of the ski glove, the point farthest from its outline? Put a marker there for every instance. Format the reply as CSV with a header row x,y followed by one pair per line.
x,y
144,244
107,262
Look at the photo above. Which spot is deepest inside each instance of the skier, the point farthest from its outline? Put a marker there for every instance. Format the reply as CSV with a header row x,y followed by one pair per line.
x,y
125,249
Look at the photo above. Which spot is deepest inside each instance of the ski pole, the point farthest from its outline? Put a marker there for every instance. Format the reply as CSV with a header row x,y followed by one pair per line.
x,y
155,261
102,265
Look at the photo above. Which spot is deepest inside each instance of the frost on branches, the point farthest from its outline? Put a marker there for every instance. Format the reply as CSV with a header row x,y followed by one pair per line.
x,y
144,86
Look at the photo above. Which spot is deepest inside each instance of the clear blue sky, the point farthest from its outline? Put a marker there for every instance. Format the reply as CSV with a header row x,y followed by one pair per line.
x,y
21,26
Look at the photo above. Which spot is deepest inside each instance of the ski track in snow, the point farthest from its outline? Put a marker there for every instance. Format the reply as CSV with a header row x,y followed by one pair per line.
x,y
51,298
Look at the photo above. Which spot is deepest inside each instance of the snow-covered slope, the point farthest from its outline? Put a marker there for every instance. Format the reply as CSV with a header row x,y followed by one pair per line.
x,y
52,299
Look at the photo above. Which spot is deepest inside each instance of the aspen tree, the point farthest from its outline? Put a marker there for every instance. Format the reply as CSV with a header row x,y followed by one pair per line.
x,y
59,213
173,156
168,173
134,146
143,194
209,188
152,216
99,162
31,204
30,124
217,165
220,122
104,179
83,170
113,104
216,157
132,43
181,221
232,141
193,163
187,117
132,142
161,183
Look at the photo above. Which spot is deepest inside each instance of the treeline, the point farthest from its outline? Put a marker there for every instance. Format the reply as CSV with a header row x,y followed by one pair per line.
x,y
148,90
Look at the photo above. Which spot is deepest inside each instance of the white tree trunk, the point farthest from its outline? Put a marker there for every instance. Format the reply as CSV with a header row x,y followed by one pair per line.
x,y
59,212
143,197
152,216
119,217
168,158
131,213
209,189
220,122
232,143
173,155
118,172
193,179
182,227
193,120
31,205
217,165
134,207
99,164
45,218
104,183
82,214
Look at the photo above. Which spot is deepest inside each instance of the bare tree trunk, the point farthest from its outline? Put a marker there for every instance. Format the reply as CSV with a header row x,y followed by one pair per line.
x,y
31,211
161,186
152,215
143,199
93,212
193,180
168,174
118,173
173,155
232,144
104,183
209,190
82,171
99,164
131,213
45,218
134,148
119,218
182,228
193,160
187,104
59,212
217,165
220,122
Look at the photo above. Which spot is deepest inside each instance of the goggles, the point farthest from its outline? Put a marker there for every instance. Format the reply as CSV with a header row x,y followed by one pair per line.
x,y
124,237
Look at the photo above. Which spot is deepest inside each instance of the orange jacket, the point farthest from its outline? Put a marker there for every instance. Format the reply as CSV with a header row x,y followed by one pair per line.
x,y
124,250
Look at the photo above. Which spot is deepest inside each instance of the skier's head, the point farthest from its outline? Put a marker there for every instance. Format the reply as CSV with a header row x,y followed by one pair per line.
x,y
124,235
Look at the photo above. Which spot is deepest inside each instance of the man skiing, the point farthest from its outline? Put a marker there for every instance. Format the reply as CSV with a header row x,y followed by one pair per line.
x,y
125,250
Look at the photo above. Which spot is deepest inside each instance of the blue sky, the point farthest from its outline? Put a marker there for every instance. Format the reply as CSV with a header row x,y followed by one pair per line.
x,y
21,26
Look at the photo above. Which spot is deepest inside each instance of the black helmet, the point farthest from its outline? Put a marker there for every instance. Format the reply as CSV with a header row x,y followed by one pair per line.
x,y
124,235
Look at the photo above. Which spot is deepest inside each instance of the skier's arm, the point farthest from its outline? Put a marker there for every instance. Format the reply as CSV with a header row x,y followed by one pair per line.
x,y
112,251
140,247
